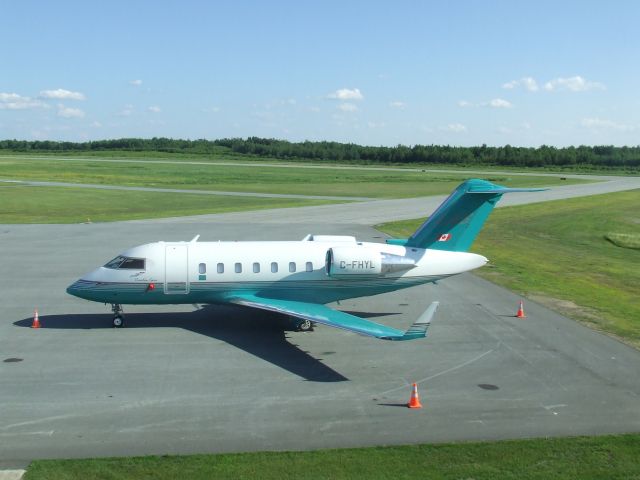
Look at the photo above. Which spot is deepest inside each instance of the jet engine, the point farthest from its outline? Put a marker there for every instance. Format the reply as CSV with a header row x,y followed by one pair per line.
x,y
345,262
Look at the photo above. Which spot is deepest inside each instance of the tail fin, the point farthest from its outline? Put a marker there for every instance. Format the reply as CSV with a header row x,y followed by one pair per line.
x,y
457,221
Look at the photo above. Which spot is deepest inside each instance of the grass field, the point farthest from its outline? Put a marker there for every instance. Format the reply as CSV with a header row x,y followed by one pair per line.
x,y
225,154
24,204
251,178
608,457
557,253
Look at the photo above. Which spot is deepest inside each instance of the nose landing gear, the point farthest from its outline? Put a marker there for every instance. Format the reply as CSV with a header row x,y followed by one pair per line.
x,y
118,316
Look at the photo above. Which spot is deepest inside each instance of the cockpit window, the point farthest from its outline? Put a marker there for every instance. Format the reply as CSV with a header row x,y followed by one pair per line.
x,y
126,262
133,263
115,263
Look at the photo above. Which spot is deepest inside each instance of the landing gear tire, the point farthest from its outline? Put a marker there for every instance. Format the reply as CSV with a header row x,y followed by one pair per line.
x,y
118,319
305,326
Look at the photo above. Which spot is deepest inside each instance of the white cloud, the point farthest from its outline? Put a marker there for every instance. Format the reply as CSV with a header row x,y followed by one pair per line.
x,y
376,124
454,127
126,111
528,83
499,103
135,83
283,102
62,94
574,84
96,124
13,101
154,109
66,112
348,107
599,124
397,104
346,94
494,103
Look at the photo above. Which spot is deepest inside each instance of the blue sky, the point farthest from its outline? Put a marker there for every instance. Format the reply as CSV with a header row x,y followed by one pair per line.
x,y
376,73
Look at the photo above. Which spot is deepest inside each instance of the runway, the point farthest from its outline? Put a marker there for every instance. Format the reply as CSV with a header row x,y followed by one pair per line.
x,y
373,212
190,379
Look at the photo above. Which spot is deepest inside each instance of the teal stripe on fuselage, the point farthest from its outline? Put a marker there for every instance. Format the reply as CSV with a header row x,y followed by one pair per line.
x,y
317,291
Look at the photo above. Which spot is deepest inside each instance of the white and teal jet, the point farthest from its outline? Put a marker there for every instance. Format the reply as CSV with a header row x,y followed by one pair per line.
x,y
297,278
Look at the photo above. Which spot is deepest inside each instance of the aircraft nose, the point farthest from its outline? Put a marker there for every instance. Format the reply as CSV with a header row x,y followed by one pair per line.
x,y
79,288
73,288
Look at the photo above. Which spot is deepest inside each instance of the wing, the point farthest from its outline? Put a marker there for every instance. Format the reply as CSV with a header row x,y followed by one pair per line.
x,y
334,318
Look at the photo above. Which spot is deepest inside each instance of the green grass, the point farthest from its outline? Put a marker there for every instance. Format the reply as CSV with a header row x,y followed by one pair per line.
x,y
624,240
252,178
24,204
226,154
556,253
607,457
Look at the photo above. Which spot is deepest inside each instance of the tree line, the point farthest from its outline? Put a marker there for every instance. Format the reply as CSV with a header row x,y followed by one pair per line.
x,y
604,156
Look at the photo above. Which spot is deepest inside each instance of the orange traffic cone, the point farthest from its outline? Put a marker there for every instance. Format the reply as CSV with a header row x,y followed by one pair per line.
x,y
414,401
520,313
36,320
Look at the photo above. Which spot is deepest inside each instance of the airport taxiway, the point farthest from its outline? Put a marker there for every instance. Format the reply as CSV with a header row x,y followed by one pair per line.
x,y
190,379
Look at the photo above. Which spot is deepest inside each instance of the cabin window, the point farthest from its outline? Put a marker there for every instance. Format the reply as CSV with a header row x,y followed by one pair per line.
x,y
292,267
221,268
238,267
274,267
126,262
309,267
256,267
202,268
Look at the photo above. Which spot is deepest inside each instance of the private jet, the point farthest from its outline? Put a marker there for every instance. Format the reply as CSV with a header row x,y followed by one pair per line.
x,y
297,278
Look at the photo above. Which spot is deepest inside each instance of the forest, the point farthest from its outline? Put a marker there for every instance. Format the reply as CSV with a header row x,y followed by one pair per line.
x,y
594,157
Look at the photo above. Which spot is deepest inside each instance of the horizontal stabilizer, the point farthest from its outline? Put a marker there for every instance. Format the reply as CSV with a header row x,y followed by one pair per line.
x,y
502,190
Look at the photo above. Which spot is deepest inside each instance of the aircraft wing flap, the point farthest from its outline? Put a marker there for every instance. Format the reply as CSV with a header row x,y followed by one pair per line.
x,y
334,318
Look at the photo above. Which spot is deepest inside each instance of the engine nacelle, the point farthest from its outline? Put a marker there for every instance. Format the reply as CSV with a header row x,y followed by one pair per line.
x,y
364,262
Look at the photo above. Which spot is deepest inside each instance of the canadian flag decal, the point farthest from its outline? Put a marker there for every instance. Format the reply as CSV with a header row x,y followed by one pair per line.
x,y
444,237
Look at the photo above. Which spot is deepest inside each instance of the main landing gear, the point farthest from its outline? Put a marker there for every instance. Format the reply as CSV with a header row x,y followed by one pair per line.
x,y
304,325
118,316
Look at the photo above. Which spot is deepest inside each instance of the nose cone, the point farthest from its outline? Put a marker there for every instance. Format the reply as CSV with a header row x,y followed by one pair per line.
x,y
76,288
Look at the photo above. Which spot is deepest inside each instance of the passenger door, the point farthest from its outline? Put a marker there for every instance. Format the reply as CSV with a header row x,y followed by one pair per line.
x,y
176,279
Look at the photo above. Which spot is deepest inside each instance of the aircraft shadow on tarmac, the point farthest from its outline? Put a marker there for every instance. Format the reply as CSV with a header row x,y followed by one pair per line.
x,y
262,334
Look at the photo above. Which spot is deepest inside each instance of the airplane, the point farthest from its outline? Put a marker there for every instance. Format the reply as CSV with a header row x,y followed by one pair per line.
x,y
297,278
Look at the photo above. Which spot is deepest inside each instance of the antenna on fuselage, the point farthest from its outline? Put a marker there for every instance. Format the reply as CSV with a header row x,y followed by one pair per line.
x,y
195,239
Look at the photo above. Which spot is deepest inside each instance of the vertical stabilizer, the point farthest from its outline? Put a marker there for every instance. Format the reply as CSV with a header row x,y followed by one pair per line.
x,y
457,221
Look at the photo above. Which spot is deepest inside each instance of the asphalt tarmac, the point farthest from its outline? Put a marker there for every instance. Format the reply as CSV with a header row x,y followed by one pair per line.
x,y
192,379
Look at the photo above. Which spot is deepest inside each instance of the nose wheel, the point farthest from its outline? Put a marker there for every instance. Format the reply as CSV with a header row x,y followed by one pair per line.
x,y
118,316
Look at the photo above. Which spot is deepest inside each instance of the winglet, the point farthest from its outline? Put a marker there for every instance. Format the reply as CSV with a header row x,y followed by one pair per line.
x,y
419,328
